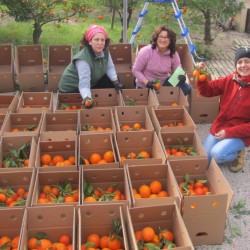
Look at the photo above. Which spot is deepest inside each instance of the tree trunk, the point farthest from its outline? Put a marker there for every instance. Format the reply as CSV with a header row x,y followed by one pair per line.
x,y
37,33
113,18
207,28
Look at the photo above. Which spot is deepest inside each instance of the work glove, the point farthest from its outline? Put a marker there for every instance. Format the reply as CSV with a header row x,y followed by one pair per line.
x,y
182,79
150,85
118,86
87,103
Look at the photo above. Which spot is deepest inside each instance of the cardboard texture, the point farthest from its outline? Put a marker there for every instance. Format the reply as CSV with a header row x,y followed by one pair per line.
x,y
7,75
96,143
103,179
35,102
2,119
58,136
53,221
136,142
168,96
11,142
8,102
200,212
57,147
139,97
130,115
59,56
60,122
176,139
158,216
144,174
11,222
67,100
127,79
101,120
27,124
55,178
92,221
162,118
29,68
18,179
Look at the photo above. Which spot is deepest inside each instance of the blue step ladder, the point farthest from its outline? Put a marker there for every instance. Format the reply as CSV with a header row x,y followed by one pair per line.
x,y
177,15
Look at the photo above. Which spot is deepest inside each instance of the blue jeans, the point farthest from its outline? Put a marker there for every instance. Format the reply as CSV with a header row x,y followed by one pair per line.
x,y
225,150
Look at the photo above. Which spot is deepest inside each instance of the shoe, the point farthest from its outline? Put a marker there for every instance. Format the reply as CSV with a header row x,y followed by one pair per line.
x,y
238,163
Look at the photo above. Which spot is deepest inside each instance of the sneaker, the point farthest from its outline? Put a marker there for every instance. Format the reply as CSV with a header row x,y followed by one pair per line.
x,y
238,163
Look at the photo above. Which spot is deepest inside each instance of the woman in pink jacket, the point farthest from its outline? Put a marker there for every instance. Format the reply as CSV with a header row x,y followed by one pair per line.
x,y
230,131
159,60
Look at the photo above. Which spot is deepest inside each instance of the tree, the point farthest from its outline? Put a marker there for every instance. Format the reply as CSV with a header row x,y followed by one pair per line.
x,y
117,6
212,11
41,12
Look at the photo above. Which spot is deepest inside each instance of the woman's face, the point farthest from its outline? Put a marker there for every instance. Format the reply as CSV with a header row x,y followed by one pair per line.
x,y
98,43
163,41
243,66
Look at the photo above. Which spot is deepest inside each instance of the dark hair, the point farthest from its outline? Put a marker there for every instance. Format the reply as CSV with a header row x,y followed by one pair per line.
x,y
86,43
171,36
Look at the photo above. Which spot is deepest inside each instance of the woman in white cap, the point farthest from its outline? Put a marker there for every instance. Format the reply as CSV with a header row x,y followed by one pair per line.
x,y
92,67
230,131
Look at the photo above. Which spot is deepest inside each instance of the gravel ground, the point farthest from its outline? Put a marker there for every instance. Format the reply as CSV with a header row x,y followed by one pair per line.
x,y
238,226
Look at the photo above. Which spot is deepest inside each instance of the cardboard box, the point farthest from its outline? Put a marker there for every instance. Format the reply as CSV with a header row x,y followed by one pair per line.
x,y
19,179
25,123
64,148
139,97
144,174
164,119
200,212
96,120
58,136
130,115
53,178
96,143
158,216
59,57
8,102
101,98
136,142
171,97
35,102
127,79
53,221
11,222
102,179
8,143
186,139
29,68
2,119
7,76
92,221
60,122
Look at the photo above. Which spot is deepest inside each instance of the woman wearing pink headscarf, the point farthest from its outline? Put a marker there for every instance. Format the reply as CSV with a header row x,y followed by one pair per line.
x,y
92,67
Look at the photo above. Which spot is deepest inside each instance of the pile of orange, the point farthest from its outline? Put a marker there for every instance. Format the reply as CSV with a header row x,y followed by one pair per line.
x,y
134,127
89,127
153,190
147,238
57,160
173,124
96,158
181,150
25,129
9,243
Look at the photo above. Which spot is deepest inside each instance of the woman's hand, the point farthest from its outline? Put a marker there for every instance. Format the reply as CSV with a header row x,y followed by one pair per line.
x,y
220,135
200,65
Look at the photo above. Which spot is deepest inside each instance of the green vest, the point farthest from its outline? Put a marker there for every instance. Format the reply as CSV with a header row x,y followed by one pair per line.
x,y
98,67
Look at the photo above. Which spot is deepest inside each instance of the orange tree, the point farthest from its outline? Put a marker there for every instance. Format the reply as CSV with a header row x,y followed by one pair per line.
x,y
41,12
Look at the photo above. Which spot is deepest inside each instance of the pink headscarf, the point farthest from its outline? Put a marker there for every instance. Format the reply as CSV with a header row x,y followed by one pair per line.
x,y
94,29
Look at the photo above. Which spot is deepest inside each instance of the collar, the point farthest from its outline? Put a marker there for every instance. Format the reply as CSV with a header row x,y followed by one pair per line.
x,y
242,81
167,52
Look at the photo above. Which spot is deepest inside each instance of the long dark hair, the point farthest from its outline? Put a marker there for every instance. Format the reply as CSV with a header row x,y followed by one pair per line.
x,y
171,36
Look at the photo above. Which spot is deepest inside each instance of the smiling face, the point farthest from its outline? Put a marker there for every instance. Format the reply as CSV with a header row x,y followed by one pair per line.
x,y
98,43
243,66
163,41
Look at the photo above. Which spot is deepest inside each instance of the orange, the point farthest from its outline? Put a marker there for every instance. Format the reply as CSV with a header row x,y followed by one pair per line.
x,y
5,240
104,241
26,162
138,235
157,85
3,197
114,243
196,73
155,187
15,241
46,189
125,128
131,155
94,158
55,191
46,159
90,199
174,104
72,159
179,124
69,199
95,238
85,162
21,191
56,159
143,155
14,130
166,234
102,162
137,125
163,194
65,239
58,246
43,244
202,77
67,163
109,156
42,200
144,191
148,234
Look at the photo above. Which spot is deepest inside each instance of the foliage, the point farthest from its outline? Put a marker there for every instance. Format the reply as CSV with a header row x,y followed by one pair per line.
x,y
43,11
211,12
